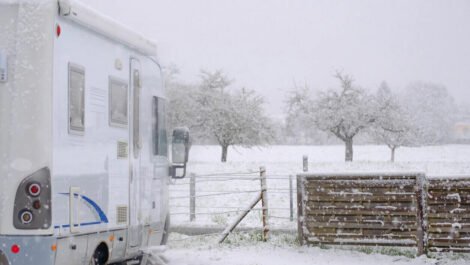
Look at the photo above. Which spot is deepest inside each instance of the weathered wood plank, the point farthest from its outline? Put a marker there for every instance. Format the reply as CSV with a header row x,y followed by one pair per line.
x,y
449,243
448,209
455,250
439,229
364,243
356,212
319,197
355,218
450,185
384,226
361,184
370,191
330,236
373,176
446,235
449,216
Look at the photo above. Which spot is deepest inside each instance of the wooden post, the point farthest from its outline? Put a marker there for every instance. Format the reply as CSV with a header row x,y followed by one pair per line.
x,y
421,204
264,202
291,199
192,197
305,163
239,218
300,210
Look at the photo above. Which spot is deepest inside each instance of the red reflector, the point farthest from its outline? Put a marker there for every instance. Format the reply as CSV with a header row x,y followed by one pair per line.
x,y
15,249
58,30
34,189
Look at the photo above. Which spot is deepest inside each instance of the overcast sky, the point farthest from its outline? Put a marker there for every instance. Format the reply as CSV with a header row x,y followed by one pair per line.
x,y
267,45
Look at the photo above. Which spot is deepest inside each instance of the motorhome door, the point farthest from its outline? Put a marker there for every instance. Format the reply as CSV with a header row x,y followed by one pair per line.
x,y
135,227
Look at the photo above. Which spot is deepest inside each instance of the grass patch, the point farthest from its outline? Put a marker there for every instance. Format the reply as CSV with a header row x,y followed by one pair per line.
x,y
397,252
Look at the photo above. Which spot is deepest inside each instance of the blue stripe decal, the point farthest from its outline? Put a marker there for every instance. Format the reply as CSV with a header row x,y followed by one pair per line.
x,y
103,218
76,225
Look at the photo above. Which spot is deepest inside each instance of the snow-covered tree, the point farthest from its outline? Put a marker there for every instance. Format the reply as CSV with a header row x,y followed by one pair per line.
x,y
433,112
216,113
343,113
182,109
231,118
392,126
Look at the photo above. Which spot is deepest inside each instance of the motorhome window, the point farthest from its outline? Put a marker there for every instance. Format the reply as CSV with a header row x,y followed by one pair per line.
x,y
136,128
159,133
76,99
117,102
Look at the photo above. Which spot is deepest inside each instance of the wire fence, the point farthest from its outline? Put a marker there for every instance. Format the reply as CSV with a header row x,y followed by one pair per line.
x,y
226,193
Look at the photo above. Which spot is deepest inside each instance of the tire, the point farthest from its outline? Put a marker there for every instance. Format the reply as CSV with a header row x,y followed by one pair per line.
x,y
166,231
100,256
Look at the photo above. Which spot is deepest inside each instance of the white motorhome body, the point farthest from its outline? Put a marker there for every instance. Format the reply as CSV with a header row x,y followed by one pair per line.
x,y
84,166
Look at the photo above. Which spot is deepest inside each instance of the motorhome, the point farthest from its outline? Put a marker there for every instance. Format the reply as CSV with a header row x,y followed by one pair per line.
x,y
84,155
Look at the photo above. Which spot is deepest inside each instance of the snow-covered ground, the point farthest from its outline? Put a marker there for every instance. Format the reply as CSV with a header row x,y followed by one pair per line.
x,y
247,249
434,160
213,177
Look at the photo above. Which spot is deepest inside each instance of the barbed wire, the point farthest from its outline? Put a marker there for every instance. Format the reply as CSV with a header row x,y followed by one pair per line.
x,y
228,174
281,217
228,207
234,191
215,194
227,193
217,213
281,175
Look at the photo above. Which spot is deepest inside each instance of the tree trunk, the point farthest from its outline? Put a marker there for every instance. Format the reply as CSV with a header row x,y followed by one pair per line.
x,y
392,158
349,150
224,153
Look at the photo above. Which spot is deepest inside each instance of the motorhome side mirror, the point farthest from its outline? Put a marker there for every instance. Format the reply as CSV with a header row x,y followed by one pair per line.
x,y
179,151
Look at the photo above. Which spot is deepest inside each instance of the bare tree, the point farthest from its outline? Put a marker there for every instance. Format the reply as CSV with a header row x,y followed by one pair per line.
x,y
393,125
231,118
343,113
216,113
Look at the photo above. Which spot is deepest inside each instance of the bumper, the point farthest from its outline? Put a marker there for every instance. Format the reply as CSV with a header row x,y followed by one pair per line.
x,y
32,250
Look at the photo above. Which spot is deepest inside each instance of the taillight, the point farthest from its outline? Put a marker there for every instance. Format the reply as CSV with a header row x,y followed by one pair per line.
x,y
36,205
15,249
34,189
26,217
32,207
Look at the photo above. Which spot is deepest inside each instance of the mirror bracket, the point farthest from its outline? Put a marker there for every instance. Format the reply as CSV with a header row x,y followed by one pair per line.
x,y
180,151
173,171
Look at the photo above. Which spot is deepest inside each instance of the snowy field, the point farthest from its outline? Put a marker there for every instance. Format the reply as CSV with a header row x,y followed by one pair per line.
x,y
216,211
434,160
282,250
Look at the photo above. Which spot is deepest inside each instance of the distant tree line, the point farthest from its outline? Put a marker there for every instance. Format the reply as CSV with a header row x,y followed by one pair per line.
x,y
219,113
422,115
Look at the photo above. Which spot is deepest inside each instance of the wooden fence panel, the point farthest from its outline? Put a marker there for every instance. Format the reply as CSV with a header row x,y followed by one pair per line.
x,y
361,209
448,214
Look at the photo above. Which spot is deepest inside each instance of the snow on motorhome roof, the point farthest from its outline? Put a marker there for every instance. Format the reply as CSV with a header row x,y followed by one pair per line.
x,y
90,18
98,22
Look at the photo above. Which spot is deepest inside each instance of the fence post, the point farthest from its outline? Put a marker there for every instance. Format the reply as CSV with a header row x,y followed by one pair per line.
x,y
192,197
421,203
264,201
300,208
305,163
291,199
